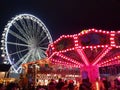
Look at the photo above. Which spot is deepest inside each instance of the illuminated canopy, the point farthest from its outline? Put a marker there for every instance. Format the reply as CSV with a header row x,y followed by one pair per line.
x,y
89,47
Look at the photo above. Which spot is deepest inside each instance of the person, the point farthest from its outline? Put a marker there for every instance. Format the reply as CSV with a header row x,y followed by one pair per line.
x,y
117,83
76,86
51,85
65,87
60,84
113,86
106,84
71,85
2,86
85,85
98,85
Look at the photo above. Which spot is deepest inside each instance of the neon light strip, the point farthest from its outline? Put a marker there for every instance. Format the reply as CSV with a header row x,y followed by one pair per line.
x,y
70,49
101,55
112,37
64,63
52,55
110,61
95,46
69,59
84,58
80,51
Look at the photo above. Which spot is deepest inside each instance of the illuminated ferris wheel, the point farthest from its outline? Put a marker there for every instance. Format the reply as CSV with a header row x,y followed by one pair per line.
x,y
25,38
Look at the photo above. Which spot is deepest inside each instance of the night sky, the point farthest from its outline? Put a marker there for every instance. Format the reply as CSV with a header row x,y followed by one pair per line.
x,y
65,16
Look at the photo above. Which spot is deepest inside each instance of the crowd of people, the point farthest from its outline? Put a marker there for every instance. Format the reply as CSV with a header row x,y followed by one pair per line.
x,y
104,84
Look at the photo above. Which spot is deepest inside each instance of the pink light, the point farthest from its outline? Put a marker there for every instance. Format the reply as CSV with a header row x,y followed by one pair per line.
x,y
110,61
100,30
69,59
86,32
119,78
64,63
118,32
111,38
91,46
101,55
84,58
87,46
76,45
106,45
76,41
98,46
89,30
93,29
104,31
113,35
79,34
107,32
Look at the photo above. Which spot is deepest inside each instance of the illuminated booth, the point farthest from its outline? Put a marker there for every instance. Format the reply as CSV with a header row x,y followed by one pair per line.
x,y
4,74
42,71
88,50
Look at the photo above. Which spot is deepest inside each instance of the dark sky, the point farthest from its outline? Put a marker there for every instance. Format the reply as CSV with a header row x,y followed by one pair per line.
x,y
65,16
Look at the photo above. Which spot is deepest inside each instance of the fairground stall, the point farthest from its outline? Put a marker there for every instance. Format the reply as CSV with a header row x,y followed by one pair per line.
x,y
88,50
4,74
42,71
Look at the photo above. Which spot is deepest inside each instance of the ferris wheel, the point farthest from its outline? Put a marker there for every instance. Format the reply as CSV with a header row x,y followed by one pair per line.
x,y
25,38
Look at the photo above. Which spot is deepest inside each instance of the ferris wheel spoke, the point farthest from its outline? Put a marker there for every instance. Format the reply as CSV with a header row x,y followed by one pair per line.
x,y
25,28
17,36
33,33
22,59
40,53
19,69
29,26
34,26
19,51
43,53
12,67
44,43
40,34
28,57
38,30
12,43
43,39
34,55
20,30
43,48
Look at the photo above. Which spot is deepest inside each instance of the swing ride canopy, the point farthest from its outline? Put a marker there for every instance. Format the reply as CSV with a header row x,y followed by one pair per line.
x,y
89,47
